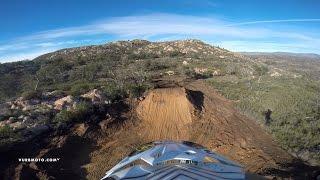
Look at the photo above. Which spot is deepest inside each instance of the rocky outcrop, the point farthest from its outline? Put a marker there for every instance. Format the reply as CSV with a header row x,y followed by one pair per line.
x,y
95,96
66,102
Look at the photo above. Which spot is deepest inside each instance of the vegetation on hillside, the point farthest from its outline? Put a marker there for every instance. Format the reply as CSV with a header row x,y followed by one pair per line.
x,y
290,88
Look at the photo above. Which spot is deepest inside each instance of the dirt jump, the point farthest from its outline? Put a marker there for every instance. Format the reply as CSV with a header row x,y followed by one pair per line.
x,y
197,113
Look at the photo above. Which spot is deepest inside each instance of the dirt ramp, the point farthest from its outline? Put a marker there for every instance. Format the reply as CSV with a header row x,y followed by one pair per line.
x,y
167,114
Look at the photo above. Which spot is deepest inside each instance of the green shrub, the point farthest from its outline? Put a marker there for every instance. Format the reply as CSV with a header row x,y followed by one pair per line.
x,y
63,116
295,105
113,92
175,54
192,74
80,88
136,90
261,69
32,94
80,113
152,65
6,132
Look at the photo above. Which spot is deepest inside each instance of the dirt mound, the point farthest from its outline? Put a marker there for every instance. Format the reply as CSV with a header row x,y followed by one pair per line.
x,y
197,113
167,114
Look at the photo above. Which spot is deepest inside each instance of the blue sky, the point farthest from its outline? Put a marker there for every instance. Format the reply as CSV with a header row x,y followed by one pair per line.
x,y
31,28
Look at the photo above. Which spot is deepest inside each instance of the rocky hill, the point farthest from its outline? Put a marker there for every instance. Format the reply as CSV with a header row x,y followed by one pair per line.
x,y
91,106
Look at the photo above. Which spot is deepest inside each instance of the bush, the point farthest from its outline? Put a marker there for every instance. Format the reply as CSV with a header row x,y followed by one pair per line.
x,y
176,53
152,65
32,95
113,92
6,132
261,69
80,113
136,90
192,74
80,88
295,106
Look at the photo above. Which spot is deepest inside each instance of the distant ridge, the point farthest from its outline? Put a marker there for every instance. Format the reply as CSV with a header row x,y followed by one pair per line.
x,y
282,54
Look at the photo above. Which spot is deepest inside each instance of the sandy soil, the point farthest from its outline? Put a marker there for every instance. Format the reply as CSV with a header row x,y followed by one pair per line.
x,y
166,114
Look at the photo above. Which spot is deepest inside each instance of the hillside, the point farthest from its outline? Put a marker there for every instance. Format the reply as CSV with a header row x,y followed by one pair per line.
x,y
106,100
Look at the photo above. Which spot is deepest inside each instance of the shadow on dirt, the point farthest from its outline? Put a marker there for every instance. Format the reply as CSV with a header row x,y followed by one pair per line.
x,y
73,155
196,98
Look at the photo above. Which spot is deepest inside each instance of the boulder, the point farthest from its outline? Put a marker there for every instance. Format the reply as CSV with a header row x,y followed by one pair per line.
x,y
17,125
11,120
64,102
26,119
200,70
170,73
95,96
2,123
216,73
27,108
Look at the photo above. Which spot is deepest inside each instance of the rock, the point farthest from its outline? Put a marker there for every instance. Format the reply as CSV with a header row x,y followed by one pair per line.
x,y
216,73
63,103
107,102
13,106
52,93
170,73
275,74
17,125
27,108
2,123
80,129
26,119
200,70
96,96
11,120
185,63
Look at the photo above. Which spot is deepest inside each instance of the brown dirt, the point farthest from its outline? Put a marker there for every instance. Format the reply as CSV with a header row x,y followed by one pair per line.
x,y
193,112
166,114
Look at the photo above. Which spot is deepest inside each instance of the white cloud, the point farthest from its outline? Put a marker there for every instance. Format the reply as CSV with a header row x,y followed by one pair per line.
x,y
24,55
261,46
160,27
275,21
